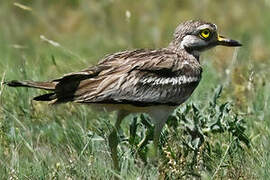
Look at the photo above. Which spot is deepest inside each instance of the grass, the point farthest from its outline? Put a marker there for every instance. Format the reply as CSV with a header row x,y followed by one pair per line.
x,y
68,141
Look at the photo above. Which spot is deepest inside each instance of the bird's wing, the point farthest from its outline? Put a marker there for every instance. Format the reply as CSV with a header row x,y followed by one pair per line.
x,y
139,77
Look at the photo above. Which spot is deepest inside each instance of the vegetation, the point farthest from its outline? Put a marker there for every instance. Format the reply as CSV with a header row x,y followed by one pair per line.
x,y
221,132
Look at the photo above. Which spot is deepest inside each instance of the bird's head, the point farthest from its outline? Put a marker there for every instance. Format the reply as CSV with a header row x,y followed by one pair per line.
x,y
197,36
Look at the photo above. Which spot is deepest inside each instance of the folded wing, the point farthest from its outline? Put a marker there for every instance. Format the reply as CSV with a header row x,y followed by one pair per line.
x,y
140,77
143,78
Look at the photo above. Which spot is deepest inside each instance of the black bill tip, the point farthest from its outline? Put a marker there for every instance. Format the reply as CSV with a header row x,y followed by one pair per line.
x,y
227,42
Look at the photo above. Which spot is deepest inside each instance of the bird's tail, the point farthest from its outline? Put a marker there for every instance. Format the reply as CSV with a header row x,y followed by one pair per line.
x,y
39,85
32,84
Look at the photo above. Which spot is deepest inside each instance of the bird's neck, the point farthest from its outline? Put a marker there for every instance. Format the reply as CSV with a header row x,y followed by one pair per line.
x,y
178,48
194,53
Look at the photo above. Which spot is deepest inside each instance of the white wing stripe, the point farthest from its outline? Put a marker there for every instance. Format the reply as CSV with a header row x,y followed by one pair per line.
x,y
170,80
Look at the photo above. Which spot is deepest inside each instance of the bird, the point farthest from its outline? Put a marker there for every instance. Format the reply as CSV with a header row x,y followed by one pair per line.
x,y
152,81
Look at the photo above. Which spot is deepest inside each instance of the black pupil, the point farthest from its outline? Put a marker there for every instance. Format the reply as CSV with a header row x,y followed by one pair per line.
x,y
206,32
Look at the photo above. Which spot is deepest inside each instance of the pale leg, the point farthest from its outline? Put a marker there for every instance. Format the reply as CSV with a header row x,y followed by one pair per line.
x,y
159,119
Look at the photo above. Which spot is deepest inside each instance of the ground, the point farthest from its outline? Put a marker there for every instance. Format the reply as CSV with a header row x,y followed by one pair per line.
x,y
221,132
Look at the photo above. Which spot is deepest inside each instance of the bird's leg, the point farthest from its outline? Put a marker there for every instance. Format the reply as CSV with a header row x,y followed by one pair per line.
x,y
113,139
157,131
159,119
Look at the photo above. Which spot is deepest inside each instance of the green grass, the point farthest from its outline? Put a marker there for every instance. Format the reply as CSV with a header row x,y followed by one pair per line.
x,y
68,141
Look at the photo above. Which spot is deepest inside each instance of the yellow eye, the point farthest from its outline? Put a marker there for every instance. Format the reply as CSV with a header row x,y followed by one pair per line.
x,y
205,33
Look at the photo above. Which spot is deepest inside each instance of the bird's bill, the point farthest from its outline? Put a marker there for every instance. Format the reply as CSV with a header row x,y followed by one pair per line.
x,y
227,42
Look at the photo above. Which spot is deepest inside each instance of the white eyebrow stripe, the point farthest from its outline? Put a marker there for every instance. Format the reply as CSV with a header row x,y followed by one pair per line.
x,y
170,80
204,26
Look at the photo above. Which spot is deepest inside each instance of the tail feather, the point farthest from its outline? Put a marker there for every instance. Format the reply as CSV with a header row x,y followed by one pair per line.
x,y
31,84
45,97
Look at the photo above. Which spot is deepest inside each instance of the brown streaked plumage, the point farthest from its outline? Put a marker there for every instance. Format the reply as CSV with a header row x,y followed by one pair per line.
x,y
151,81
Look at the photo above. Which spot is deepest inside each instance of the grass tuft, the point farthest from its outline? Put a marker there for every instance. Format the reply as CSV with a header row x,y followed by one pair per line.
x,y
222,132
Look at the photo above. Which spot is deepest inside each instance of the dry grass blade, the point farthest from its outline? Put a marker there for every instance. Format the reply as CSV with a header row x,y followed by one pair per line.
x,y
23,7
222,160
51,42
231,67
2,83
58,45
18,46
